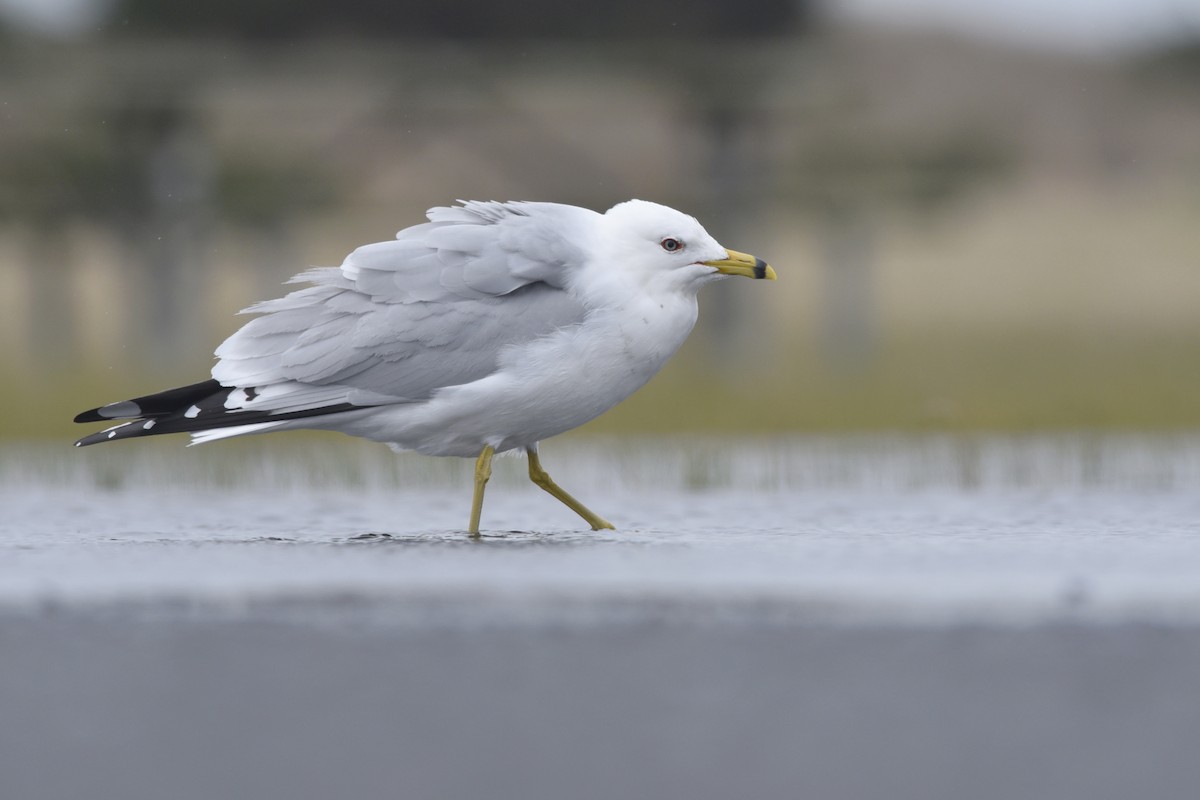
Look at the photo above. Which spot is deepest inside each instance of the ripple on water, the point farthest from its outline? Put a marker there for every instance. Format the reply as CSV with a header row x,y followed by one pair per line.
x,y
894,525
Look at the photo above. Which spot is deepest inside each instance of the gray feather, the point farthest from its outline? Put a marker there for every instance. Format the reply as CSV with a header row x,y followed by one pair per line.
x,y
401,319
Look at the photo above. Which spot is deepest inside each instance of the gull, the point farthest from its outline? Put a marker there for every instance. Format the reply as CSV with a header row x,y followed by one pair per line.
x,y
489,328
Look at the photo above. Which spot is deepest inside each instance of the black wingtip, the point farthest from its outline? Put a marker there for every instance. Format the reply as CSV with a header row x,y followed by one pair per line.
x,y
131,429
160,404
97,438
188,409
126,409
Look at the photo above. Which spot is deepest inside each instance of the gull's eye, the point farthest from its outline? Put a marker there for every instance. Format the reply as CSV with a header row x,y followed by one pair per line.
x,y
672,245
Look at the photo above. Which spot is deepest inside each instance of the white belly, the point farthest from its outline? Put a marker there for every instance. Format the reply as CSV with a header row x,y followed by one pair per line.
x,y
542,388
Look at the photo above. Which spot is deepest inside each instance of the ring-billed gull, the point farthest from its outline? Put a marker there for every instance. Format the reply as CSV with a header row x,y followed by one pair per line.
x,y
488,328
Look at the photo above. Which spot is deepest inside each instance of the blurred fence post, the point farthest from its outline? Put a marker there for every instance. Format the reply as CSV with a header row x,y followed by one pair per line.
x,y
180,190
848,328
53,325
733,205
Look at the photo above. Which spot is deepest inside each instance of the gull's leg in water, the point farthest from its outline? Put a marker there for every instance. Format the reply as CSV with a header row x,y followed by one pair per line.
x,y
483,471
542,479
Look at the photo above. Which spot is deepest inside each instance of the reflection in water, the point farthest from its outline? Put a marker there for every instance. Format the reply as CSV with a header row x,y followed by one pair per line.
x,y
443,538
804,463
935,528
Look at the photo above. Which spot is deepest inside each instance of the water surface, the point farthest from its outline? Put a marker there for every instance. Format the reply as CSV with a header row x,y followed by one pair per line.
x,y
822,528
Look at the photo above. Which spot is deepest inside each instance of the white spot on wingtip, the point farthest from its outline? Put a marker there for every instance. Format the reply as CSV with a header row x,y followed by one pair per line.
x,y
236,399
113,430
192,412
149,424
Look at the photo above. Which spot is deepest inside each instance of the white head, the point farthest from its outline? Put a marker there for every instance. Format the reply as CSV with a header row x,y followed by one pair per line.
x,y
667,246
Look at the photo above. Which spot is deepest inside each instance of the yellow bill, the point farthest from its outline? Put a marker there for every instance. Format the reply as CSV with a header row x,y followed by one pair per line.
x,y
747,266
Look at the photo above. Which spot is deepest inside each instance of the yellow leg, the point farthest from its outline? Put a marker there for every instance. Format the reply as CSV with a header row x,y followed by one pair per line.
x,y
483,471
542,479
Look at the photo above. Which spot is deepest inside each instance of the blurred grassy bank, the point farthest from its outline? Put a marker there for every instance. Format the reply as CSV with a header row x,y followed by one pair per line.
x,y
1005,385
1035,382
969,237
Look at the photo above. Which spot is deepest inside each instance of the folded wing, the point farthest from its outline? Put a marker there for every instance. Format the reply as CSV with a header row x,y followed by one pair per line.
x,y
401,319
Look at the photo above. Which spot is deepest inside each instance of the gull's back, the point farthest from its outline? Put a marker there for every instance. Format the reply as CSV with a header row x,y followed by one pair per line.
x,y
398,321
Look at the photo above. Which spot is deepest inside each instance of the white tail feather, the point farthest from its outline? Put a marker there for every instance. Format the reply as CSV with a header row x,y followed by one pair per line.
x,y
211,435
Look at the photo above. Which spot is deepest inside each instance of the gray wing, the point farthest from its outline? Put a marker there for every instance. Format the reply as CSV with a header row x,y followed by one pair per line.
x,y
401,319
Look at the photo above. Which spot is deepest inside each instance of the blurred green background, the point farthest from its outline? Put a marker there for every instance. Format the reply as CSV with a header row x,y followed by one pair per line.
x,y
972,232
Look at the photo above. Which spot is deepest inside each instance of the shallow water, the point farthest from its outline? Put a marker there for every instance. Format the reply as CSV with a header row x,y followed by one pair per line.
x,y
846,617
837,528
